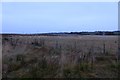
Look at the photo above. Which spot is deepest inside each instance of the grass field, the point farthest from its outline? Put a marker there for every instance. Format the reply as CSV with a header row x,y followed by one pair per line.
x,y
87,56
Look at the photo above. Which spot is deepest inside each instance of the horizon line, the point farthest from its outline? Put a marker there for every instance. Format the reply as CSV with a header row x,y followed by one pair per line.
x,y
59,32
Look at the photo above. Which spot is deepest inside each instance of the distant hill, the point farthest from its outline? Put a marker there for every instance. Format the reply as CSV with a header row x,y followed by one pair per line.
x,y
98,33
67,33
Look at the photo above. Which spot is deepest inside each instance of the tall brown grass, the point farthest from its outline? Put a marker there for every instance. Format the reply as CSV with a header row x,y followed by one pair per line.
x,y
60,56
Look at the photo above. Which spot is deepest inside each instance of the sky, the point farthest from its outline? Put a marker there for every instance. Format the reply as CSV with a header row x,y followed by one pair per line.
x,y
44,17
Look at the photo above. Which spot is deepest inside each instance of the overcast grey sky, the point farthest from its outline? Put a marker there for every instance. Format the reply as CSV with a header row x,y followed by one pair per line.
x,y
24,17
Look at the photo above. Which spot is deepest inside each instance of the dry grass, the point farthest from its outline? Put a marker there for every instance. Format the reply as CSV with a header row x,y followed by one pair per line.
x,y
59,56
